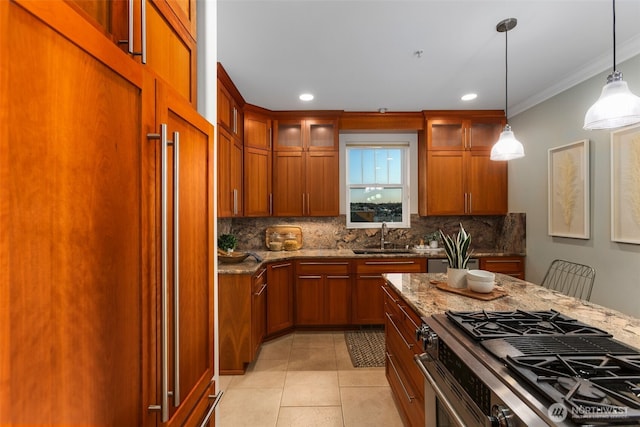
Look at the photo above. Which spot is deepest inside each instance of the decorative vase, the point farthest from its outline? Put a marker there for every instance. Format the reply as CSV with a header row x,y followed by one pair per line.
x,y
433,244
457,277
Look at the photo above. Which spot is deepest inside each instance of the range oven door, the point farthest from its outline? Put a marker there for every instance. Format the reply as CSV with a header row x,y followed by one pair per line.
x,y
439,411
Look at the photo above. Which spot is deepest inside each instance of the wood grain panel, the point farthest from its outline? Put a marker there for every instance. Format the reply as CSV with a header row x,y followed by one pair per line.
x,y
71,205
288,185
445,193
322,185
234,305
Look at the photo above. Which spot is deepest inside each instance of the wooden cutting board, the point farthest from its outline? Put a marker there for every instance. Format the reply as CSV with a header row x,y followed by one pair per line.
x,y
495,293
286,232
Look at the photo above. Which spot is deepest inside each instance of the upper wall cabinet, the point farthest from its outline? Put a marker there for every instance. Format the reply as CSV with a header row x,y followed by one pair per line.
x,y
305,167
258,198
230,147
292,134
456,176
158,33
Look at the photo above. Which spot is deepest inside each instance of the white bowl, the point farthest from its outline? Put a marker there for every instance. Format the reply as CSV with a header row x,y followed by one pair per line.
x,y
480,286
481,275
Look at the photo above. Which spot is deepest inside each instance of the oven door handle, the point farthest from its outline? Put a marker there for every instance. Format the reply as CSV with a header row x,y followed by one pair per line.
x,y
436,388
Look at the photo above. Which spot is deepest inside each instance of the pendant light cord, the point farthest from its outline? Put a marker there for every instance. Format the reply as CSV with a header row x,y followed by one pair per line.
x,y
506,78
614,36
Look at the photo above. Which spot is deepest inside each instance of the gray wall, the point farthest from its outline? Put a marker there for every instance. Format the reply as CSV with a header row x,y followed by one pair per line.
x,y
556,122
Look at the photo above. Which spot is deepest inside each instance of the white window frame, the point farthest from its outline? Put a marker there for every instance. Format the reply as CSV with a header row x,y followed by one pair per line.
x,y
406,190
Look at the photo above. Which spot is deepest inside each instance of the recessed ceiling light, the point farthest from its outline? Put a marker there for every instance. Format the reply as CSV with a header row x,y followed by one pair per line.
x,y
469,96
306,97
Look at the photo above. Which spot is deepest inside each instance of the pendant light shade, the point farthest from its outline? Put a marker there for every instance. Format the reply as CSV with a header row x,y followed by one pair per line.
x,y
617,106
507,147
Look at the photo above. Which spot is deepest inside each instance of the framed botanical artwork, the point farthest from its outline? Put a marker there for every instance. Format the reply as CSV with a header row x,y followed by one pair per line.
x,y
625,185
568,191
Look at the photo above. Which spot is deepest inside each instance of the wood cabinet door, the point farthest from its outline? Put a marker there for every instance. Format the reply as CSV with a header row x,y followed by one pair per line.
x,y
257,182
446,134
225,187
321,135
189,293
337,298
288,183
288,135
258,311
310,300
487,185
446,181
235,173
73,258
368,300
322,187
170,47
279,297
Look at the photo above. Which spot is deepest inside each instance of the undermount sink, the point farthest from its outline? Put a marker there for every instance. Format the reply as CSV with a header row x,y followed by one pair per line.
x,y
381,251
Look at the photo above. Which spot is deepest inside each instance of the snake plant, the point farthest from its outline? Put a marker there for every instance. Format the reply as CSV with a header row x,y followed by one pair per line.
x,y
457,248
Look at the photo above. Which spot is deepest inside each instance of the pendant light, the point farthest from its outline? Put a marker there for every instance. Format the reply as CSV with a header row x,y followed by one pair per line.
x,y
617,106
507,147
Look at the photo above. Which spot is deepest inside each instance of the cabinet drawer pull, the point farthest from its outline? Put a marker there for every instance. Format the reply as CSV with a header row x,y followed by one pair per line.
x,y
264,270
409,346
337,277
309,277
281,265
390,262
323,263
379,276
506,261
212,409
408,317
384,289
261,290
409,397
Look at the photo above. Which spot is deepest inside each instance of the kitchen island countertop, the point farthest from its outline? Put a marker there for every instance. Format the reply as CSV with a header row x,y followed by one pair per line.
x,y
426,299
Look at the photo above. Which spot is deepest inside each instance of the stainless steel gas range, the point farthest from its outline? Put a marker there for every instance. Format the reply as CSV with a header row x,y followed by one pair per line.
x,y
526,368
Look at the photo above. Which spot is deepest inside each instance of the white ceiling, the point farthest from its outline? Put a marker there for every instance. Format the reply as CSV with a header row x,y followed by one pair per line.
x,y
359,55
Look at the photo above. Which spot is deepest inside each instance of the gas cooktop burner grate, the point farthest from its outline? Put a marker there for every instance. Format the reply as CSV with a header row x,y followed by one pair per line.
x,y
595,388
483,325
555,344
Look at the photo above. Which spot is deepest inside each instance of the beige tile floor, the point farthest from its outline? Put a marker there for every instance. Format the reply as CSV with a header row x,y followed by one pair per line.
x,y
306,379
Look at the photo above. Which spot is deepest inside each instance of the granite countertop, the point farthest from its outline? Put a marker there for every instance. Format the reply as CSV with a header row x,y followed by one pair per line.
x,y
250,265
426,299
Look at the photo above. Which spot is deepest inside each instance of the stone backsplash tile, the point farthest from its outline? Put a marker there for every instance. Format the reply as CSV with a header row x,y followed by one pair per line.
x,y
503,233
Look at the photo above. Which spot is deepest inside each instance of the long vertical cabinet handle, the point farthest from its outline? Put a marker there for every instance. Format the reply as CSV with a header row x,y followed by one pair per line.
x,y
235,201
176,268
129,40
164,386
143,26
143,19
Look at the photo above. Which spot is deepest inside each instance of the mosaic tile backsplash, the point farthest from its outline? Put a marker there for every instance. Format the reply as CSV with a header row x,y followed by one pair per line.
x,y
502,233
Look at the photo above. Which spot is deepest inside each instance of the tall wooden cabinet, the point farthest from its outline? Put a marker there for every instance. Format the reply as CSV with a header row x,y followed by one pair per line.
x,y
82,294
307,148
456,176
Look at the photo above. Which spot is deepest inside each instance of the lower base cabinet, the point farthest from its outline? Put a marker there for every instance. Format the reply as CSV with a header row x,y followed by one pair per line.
x,y
512,265
242,318
323,292
368,307
405,378
279,297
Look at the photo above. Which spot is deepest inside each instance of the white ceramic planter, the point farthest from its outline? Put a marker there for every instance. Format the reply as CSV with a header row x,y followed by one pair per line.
x,y
457,277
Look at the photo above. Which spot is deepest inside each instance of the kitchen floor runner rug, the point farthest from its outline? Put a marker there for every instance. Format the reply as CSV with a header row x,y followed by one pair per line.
x,y
366,348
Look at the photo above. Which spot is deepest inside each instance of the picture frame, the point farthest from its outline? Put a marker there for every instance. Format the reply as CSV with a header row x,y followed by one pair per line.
x,y
568,190
625,185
